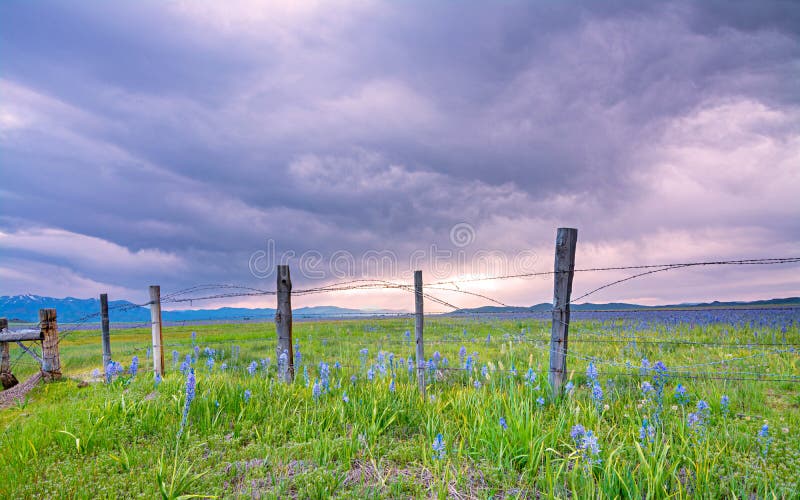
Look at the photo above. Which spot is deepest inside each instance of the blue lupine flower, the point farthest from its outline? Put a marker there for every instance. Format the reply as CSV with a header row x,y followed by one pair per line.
x,y
370,374
577,433
530,377
680,394
477,384
252,368
436,356
194,338
95,373
265,364
591,447
391,386
223,366
147,353
569,387
316,391
157,378
191,386
175,356
210,364
597,394
247,395
134,366
764,439
462,354
647,388
353,379
439,449
196,352
363,353
283,363
503,423
647,433
591,373
694,419
540,401
703,408
724,402
488,338
468,363
345,398
484,371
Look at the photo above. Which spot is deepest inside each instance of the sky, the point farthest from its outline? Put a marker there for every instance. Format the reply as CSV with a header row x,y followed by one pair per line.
x,y
186,142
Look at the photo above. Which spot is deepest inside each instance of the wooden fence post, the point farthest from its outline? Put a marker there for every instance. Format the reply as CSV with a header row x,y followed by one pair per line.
x,y
418,325
51,361
106,333
283,321
7,379
559,335
155,320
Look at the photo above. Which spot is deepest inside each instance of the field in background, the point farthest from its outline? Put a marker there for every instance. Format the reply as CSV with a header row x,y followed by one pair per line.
x,y
487,427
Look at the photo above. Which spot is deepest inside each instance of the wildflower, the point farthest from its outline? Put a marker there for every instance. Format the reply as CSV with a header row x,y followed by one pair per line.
x,y
591,373
316,391
764,439
191,386
363,355
283,363
370,374
485,371
476,384
540,401
223,366
468,363
647,433
569,387
265,364
488,338
147,352
530,377
591,447
95,373
462,354
353,379
680,394
724,402
647,388
345,398
210,364
439,449
252,368
194,337
175,356
247,395
503,423
157,378
391,386
577,433
597,393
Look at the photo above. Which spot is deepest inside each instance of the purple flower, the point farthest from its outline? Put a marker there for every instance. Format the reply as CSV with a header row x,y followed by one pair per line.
x,y
191,386
252,368
247,395
503,423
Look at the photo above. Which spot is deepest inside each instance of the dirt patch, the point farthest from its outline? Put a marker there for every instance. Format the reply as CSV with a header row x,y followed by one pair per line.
x,y
17,393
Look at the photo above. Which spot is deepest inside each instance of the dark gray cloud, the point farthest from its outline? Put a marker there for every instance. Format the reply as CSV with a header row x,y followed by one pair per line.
x,y
194,132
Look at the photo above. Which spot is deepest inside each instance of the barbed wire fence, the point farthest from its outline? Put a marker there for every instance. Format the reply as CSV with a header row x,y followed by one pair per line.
x,y
453,318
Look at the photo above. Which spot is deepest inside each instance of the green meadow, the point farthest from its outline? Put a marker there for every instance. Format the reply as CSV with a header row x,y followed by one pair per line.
x,y
695,425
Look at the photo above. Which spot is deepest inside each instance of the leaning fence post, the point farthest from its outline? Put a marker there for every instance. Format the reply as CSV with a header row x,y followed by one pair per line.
x,y
418,324
559,335
6,378
106,333
283,322
51,361
155,320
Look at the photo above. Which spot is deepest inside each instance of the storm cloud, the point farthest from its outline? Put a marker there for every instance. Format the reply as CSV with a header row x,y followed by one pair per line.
x,y
165,142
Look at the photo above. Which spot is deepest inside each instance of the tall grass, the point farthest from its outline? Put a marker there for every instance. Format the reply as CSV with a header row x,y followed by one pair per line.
x,y
361,438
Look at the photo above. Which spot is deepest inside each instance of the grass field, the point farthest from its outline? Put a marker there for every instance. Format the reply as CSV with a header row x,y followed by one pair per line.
x,y
357,426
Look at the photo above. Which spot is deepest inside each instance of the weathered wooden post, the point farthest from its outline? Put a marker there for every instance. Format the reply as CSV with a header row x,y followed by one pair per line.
x,y
51,361
106,332
7,379
418,325
566,240
155,320
283,322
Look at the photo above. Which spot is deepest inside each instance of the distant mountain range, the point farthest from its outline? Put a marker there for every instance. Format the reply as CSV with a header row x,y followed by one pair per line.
x,y
622,306
25,308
